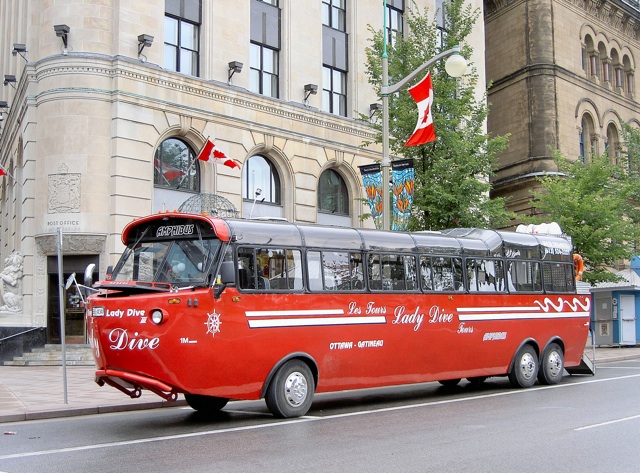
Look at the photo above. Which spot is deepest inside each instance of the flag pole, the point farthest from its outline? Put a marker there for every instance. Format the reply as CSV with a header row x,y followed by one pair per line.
x,y
386,161
4,172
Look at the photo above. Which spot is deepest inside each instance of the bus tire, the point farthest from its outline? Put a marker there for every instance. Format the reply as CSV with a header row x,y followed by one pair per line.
x,y
551,365
525,367
205,404
290,392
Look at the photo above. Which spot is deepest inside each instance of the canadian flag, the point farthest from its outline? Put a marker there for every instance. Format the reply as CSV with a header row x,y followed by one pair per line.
x,y
210,151
422,93
3,172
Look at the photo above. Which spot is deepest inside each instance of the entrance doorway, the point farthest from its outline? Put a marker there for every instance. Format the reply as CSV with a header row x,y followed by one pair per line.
x,y
628,319
75,327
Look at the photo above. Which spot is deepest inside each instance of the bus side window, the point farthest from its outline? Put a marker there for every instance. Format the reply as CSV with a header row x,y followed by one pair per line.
x,y
410,273
336,271
356,271
374,271
294,269
246,272
314,269
458,281
425,273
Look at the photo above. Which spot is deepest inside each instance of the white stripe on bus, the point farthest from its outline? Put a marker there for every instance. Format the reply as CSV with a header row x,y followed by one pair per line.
x,y
307,322
529,315
496,309
289,313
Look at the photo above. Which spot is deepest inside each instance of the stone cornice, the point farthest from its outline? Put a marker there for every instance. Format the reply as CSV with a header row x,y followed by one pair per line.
x,y
121,68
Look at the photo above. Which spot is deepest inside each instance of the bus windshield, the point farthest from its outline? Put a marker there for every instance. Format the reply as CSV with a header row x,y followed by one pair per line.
x,y
182,262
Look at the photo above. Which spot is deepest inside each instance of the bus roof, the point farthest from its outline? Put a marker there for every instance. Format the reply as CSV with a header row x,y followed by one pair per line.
x,y
458,241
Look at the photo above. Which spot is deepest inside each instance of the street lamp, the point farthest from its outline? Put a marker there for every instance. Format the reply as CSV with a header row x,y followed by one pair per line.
x,y
455,66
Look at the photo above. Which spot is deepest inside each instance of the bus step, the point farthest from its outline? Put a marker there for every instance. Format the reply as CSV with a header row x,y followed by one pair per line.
x,y
586,366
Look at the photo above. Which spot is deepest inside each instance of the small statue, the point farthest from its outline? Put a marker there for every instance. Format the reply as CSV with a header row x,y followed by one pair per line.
x,y
11,277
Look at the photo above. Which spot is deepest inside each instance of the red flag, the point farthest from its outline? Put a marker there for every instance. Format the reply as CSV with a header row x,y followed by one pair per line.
x,y
2,171
422,93
210,151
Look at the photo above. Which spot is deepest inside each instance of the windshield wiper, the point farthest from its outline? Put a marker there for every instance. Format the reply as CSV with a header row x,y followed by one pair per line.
x,y
127,252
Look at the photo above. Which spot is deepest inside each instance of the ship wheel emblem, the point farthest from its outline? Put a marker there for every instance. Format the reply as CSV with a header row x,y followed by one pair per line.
x,y
213,323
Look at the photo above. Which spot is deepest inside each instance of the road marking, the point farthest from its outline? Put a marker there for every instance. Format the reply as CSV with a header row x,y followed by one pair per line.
x,y
299,420
609,422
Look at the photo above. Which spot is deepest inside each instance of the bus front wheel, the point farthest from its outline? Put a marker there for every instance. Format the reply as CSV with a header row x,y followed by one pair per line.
x,y
551,365
525,367
291,390
205,404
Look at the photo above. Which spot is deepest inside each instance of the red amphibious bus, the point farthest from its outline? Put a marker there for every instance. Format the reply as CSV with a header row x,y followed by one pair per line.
x,y
220,309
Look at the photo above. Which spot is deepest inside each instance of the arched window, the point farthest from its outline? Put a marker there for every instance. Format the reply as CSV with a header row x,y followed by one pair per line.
x,y
613,144
333,196
261,180
175,166
587,135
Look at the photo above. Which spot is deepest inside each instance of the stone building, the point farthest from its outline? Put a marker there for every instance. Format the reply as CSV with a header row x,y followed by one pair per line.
x,y
105,105
563,75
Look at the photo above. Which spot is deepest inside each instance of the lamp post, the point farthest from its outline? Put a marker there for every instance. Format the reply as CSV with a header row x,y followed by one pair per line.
x,y
455,66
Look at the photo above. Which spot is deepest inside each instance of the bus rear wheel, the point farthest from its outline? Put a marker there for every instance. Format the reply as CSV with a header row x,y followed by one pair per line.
x,y
551,365
525,367
290,392
205,404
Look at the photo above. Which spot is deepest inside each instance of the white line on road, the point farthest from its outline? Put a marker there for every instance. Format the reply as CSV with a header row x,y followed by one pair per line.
x,y
305,419
601,424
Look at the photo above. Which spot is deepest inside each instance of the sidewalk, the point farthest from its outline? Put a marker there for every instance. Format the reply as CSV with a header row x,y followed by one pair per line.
x,y
37,392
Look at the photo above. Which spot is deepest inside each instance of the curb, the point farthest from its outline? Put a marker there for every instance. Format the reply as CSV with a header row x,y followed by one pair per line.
x,y
85,411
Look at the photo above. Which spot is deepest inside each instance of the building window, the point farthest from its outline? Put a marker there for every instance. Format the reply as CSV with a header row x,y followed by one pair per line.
x,y
334,14
264,70
176,167
612,145
334,91
333,196
270,2
182,36
394,21
261,181
593,64
587,137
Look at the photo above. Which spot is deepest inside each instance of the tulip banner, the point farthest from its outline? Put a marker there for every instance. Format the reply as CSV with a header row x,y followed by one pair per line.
x,y
403,180
372,180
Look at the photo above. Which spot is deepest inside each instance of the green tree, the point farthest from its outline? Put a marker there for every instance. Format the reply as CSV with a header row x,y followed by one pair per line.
x,y
452,173
596,203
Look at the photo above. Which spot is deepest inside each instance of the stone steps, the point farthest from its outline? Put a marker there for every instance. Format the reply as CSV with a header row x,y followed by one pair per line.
x,y
51,355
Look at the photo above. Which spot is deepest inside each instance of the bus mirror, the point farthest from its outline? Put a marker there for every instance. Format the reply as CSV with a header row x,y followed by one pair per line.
x,y
227,273
88,275
70,281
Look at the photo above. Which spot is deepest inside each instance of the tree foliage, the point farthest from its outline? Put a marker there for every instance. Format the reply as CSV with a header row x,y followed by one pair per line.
x,y
452,173
596,203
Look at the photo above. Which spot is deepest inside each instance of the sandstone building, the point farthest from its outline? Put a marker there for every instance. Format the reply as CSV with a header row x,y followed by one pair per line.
x,y
563,75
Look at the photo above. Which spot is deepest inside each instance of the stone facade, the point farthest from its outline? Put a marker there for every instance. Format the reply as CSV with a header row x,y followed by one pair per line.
x,y
563,79
85,118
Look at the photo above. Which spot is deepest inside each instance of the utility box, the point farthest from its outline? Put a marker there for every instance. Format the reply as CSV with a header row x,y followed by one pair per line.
x,y
602,319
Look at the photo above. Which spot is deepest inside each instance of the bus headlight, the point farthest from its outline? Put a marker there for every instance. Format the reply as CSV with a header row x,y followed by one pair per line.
x,y
157,316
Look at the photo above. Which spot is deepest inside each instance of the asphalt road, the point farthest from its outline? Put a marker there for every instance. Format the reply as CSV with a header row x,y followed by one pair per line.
x,y
583,424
